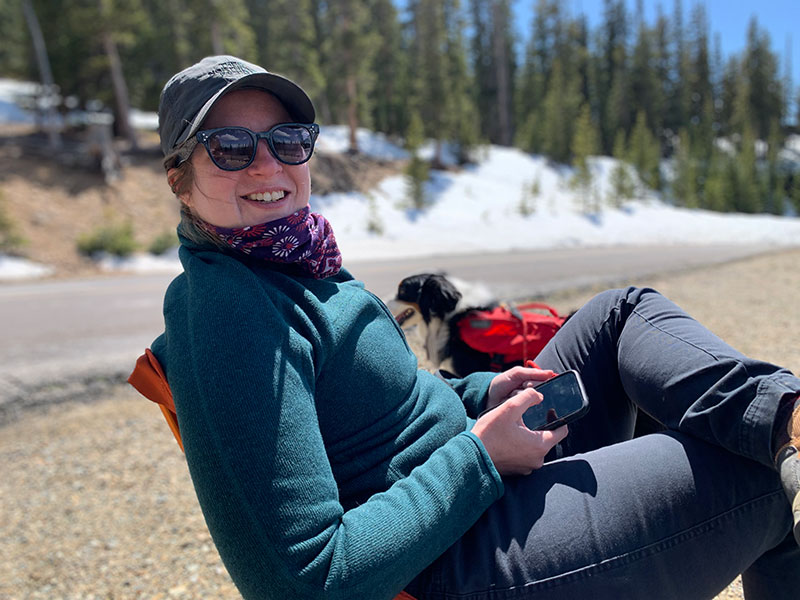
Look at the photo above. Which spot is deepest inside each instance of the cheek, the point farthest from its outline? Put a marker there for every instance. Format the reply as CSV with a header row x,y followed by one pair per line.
x,y
214,183
302,179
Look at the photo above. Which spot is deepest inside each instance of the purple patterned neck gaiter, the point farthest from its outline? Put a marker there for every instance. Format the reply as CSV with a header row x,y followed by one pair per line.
x,y
303,238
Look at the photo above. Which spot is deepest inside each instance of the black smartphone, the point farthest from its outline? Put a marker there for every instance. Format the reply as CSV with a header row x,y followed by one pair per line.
x,y
564,401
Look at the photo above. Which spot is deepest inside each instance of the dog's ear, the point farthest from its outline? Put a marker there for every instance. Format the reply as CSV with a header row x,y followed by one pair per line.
x,y
410,288
438,297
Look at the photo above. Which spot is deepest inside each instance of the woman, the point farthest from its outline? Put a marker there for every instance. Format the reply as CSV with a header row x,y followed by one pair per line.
x,y
328,465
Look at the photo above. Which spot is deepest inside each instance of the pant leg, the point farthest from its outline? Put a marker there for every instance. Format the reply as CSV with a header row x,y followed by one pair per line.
x,y
636,350
664,516
771,570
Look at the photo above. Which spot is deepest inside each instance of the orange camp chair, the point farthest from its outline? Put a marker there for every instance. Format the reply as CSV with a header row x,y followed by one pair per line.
x,y
149,380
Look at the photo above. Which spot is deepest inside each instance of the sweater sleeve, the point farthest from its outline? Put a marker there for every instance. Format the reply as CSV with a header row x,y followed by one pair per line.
x,y
473,389
244,390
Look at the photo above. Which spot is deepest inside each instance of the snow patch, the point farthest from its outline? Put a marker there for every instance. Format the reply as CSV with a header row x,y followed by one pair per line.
x,y
13,268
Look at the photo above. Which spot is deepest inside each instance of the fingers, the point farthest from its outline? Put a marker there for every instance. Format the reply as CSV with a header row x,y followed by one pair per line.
x,y
521,401
556,435
526,374
513,448
539,445
510,382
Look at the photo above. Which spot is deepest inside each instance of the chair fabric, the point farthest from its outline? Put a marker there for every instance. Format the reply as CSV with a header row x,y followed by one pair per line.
x,y
149,380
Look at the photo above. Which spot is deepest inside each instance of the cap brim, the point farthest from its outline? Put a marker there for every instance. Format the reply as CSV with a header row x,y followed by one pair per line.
x,y
292,96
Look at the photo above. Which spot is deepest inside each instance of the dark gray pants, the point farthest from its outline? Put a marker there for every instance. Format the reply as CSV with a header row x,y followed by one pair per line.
x,y
673,515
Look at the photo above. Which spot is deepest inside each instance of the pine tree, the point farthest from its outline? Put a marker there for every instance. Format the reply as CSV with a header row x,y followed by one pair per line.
x,y
663,74
15,51
537,65
461,123
644,87
429,64
773,191
417,169
618,104
797,104
287,42
481,58
684,185
701,96
350,54
728,84
612,80
794,191
545,43
645,153
760,67
585,143
622,183
747,195
560,110
681,93
390,67
504,68
229,30
495,67
717,191
741,118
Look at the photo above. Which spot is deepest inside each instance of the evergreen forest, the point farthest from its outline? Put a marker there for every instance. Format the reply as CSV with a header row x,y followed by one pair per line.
x,y
461,73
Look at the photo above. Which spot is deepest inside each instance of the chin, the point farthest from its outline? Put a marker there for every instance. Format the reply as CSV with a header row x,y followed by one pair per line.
x,y
256,213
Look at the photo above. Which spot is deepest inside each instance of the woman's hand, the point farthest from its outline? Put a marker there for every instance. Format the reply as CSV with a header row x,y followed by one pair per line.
x,y
513,448
512,381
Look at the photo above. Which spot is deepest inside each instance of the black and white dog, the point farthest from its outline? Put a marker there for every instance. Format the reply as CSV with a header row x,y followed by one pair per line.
x,y
433,304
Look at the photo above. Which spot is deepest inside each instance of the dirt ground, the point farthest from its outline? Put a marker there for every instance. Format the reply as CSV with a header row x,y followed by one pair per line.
x,y
52,198
97,501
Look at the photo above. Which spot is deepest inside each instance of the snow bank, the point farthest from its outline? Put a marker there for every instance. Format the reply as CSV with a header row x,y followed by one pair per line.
x,y
13,268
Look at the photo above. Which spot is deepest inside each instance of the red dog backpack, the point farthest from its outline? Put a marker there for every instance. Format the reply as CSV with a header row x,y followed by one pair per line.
x,y
510,334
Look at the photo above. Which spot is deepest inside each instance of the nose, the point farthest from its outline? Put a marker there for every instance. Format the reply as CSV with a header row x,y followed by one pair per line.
x,y
264,163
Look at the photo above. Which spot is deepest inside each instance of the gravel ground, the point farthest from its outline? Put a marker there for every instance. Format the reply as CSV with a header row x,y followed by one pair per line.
x,y
97,501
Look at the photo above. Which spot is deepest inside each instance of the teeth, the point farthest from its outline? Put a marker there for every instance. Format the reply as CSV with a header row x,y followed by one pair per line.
x,y
266,197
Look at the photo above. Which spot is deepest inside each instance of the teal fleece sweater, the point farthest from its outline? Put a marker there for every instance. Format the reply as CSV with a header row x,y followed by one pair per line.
x,y
326,464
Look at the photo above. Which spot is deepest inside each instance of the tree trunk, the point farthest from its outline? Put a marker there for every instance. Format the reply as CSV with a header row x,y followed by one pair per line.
x,y
120,90
45,73
352,111
499,27
216,38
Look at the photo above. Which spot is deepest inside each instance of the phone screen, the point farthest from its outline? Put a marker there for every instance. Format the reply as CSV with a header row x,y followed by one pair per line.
x,y
564,401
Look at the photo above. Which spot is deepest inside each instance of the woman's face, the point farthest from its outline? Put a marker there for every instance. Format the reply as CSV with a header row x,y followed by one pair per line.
x,y
245,197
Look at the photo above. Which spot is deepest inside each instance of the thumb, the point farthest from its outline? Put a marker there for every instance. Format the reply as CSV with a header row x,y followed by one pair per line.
x,y
519,403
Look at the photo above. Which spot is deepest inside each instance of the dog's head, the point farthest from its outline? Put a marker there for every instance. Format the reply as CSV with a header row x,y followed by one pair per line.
x,y
428,306
430,295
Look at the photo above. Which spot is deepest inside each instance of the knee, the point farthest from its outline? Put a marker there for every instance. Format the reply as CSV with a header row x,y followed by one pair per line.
x,y
628,295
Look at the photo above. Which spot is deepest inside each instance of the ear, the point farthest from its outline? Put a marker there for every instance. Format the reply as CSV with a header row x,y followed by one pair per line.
x,y
410,288
448,293
172,175
438,297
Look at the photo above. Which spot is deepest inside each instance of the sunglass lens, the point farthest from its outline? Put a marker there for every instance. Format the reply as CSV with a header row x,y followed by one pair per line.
x,y
292,144
231,149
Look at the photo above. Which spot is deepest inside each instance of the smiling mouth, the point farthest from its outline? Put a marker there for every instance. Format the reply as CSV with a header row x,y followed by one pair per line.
x,y
266,197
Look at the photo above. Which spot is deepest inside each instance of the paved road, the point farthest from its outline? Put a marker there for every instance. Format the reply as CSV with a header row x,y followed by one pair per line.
x,y
63,337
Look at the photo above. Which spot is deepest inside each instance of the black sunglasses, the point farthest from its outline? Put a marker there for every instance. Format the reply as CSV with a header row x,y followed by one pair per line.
x,y
234,148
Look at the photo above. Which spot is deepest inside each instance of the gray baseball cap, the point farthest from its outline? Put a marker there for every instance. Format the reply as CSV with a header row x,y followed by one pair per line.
x,y
189,95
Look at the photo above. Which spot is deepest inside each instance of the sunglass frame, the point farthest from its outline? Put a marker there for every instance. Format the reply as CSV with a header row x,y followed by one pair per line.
x,y
203,137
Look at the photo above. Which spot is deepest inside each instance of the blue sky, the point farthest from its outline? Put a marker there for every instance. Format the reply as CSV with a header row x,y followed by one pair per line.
x,y
728,18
